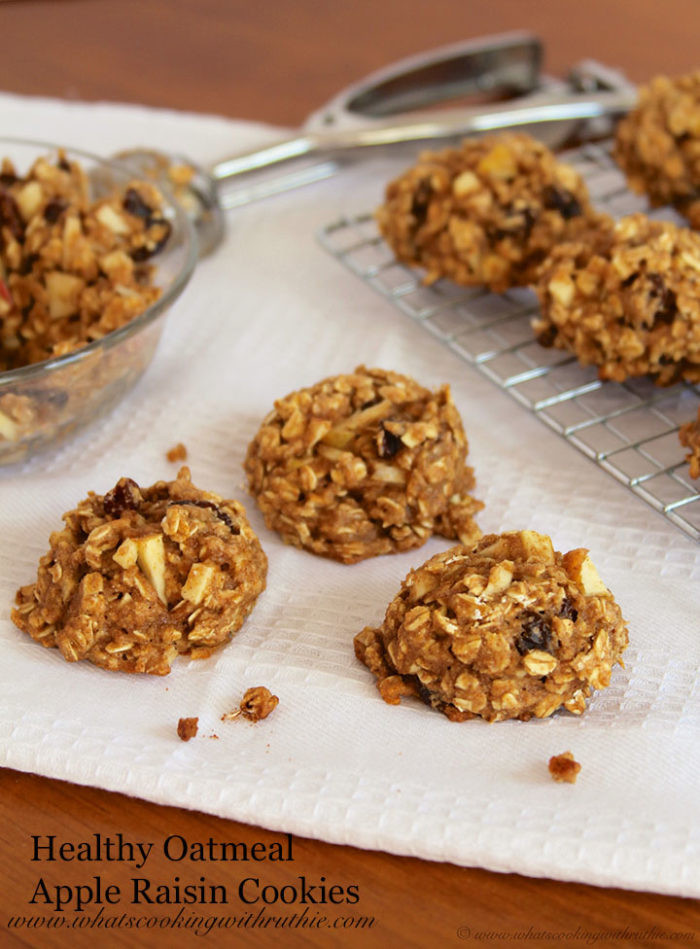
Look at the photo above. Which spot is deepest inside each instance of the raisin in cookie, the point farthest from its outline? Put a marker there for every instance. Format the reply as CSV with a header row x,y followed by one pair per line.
x,y
689,437
363,464
508,629
627,301
487,212
658,144
143,574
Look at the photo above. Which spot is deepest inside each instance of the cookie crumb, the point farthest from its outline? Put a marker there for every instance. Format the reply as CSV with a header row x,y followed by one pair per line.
x,y
256,703
564,767
177,453
187,728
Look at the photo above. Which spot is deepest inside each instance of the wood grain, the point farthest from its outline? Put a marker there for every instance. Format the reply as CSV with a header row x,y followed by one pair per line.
x,y
276,61
412,902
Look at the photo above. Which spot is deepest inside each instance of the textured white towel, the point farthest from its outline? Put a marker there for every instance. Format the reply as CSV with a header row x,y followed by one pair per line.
x,y
268,313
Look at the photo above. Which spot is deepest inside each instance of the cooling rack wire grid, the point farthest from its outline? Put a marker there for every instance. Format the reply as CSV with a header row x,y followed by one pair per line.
x,y
629,429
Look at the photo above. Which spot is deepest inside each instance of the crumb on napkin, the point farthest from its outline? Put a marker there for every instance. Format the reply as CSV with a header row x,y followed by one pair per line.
x,y
256,703
564,767
187,728
177,453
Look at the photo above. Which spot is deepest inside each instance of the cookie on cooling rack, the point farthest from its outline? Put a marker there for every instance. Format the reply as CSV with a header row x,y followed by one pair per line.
x,y
486,213
689,437
626,299
140,575
363,464
658,144
509,628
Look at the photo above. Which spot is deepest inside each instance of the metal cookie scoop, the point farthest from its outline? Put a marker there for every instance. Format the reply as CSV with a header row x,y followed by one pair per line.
x,y
396,106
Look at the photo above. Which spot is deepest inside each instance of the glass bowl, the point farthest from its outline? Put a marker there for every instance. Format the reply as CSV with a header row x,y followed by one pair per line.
x,y
43,403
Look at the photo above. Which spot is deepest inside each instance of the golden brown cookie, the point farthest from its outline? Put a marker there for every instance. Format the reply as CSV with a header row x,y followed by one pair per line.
x,y
143,574
486,213
363,464
689,437
510,628
658,144
627,301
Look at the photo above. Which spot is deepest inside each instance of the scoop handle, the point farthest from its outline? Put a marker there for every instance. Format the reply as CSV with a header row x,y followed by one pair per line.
x,y
532,111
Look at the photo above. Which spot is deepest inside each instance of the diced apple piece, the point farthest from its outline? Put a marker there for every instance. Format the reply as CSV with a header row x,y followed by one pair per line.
x,y
341,434
388,474
151,560
498,163
465,183
64,293
112,219
327,451
127,553
8,428
198,580
500,576
580,568
421,584
118,266
562,290
537,546
29,199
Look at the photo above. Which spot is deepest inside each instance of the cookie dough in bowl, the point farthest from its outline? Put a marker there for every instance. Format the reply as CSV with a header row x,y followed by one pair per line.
x,y
141,575
509,628
363,464
91,261
486,213
627,300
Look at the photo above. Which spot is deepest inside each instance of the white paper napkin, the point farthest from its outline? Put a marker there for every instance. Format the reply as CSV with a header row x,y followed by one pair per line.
x,y
268,313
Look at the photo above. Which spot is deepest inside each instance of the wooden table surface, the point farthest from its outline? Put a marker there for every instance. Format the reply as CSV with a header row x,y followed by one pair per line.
x,y
277,60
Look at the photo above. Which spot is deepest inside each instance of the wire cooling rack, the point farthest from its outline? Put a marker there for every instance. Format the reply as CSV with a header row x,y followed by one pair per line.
x,y
629,429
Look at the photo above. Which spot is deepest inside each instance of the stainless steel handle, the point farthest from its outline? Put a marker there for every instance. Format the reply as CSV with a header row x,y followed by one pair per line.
x,y
508,63
536,110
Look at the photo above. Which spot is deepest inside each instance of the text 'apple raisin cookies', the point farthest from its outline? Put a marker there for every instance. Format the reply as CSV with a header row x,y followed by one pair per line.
x,y
658,144
486,213
627,301
363,464
143,574
508,629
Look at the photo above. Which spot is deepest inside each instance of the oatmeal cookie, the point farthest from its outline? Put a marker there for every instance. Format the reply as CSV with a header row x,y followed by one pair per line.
x,y
689,437
658,144
143,574
627,301
510,628
363,464
487,212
